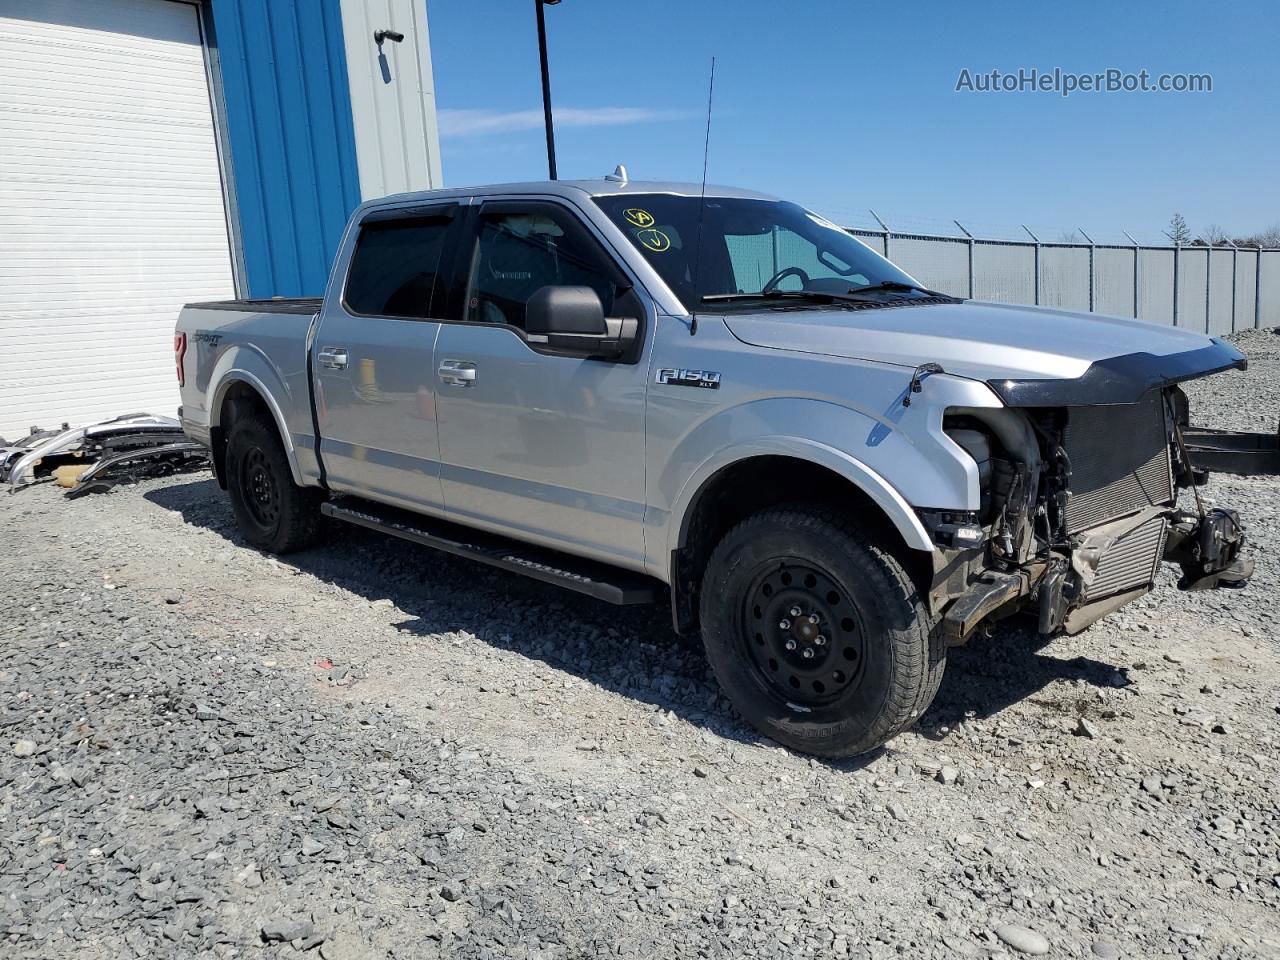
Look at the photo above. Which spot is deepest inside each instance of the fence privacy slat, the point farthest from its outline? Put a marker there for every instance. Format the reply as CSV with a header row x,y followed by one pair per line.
x,y
1217,290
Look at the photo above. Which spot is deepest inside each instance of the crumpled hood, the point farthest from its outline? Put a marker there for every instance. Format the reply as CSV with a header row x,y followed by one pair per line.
x,y
992,342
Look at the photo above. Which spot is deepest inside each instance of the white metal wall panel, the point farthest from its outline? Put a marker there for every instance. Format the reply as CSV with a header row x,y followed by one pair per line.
x,y
393,97
1155,286
1220,292
1246,264
1064,277
111,205
1192,262
1004,272
941,266
1113,281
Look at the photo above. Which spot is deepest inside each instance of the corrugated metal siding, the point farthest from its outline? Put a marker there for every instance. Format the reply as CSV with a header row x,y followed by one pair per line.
x,y
393,93
290,137
111,207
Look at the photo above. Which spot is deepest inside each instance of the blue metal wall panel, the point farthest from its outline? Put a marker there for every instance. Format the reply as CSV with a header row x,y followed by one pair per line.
x,y
292,148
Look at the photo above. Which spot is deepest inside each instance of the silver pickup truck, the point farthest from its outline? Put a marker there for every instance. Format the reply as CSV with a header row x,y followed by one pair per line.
x,y
636,389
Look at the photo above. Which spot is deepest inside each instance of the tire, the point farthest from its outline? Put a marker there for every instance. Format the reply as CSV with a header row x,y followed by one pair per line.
x,y
877,655
273,513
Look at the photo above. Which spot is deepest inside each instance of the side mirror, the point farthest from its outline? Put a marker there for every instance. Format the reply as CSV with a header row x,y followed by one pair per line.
x,y
564,310
570,322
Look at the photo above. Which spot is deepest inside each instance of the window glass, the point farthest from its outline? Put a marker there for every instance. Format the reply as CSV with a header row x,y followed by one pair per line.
x,y
517,254
394,267
748,246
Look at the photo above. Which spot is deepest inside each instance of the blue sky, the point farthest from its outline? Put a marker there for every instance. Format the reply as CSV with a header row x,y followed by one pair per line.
x,y
844,106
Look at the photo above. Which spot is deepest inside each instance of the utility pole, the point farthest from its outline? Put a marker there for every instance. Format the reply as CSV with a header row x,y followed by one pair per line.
x,y
546,86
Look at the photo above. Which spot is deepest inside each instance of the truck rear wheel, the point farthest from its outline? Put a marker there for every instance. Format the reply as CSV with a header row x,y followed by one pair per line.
x,y
819,637
273,513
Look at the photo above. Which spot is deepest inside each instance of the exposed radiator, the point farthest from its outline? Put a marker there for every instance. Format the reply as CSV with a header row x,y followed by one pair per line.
x,y
1131,561
1119,461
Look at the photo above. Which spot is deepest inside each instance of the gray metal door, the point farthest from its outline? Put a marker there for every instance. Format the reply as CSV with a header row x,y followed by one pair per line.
x,y
373,360
547,448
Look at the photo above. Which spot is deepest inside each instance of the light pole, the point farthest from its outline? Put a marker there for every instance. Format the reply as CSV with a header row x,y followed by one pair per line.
x,y
546,86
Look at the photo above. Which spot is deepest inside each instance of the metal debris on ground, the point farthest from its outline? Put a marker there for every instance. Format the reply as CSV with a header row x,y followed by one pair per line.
x,y
96,457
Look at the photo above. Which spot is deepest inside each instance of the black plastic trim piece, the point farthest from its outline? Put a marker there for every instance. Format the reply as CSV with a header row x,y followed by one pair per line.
x,y
599,580
1116,380
301,305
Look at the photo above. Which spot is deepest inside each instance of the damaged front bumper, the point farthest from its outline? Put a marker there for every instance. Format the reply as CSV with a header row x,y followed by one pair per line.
x,y
1104,569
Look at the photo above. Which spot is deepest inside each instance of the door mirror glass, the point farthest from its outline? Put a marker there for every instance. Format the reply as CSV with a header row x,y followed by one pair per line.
x,y
572,310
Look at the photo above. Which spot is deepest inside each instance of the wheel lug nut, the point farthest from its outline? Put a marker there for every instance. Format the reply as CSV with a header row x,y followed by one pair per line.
x,y
807,653
796,611
814,618
790,644
784,624
820,640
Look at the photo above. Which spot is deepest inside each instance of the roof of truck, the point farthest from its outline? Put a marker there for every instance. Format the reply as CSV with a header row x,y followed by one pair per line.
x,y
578,188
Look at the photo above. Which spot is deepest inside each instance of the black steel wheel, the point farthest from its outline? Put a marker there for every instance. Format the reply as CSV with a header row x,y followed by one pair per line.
x,y
803,635
273,512
818,636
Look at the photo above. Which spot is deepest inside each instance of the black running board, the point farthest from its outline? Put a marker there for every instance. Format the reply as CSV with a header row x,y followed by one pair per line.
x,y
598,580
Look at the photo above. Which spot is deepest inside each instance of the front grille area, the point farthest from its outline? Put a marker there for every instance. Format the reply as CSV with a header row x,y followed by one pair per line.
x,y
1131,561
1119,461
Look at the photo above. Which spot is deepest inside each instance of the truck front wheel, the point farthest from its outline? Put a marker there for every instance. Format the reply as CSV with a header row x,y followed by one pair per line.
x,y
273,513
819,637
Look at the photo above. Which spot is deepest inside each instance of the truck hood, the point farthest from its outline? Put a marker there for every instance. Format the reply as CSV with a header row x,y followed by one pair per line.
x,y
1030,356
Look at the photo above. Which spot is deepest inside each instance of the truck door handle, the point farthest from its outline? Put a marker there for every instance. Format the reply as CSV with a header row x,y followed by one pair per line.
x,y
457,373
335,358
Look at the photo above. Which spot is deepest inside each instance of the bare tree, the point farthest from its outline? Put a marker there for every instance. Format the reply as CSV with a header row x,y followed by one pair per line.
x,y
1215,236
1069,236
1269,237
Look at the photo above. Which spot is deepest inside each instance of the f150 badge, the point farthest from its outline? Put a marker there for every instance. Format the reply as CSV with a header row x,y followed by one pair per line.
x,y
706,379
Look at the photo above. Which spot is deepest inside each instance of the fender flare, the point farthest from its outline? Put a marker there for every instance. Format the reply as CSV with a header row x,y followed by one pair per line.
x,y
881,492
233,375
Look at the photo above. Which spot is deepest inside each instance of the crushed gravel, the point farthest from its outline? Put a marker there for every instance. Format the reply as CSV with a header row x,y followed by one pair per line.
x,y
369,750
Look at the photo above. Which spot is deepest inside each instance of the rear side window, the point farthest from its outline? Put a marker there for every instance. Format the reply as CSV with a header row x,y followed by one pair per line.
x,y
395,266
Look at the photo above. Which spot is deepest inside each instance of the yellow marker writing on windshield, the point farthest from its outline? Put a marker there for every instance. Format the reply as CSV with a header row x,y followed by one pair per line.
x,y
638,218
654,239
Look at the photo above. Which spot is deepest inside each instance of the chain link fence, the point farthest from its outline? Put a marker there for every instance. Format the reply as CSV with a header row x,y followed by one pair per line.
x,y
1215,290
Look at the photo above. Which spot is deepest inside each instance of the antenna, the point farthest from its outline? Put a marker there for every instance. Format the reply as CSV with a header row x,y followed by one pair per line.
x,y
702,199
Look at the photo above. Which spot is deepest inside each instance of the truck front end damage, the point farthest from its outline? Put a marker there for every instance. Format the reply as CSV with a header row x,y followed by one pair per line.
x,y
1080,505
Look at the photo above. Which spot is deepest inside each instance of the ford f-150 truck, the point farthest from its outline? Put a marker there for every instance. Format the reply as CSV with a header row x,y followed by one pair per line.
x,y
640,389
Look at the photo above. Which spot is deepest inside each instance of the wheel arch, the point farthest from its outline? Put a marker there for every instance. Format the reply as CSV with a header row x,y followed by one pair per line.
x,y
773,472
242,393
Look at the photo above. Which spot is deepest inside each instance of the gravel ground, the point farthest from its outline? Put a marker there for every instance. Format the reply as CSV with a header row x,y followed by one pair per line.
x,y
369,750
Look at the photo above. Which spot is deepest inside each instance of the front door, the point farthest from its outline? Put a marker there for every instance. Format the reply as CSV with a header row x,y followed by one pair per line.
x,y
372,358
546,448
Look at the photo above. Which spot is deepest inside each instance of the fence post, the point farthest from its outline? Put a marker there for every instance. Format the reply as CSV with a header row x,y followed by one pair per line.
x,y
970,236
1135,273
885,227
1257,289
1091,283
1177,249
1037,261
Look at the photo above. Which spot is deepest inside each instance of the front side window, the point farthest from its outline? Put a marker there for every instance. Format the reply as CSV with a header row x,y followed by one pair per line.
x,y
394,267
518,253
748,247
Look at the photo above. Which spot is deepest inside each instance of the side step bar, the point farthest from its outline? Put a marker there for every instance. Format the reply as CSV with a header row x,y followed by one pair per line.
x,y
597,580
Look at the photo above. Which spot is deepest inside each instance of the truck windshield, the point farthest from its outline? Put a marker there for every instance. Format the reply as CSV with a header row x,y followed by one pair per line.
x,y
770,249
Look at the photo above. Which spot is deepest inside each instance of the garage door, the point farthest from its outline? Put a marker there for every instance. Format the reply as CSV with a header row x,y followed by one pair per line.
x,y
111,205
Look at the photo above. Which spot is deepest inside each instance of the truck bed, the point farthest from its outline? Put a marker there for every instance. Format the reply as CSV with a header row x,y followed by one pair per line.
x,y
302,305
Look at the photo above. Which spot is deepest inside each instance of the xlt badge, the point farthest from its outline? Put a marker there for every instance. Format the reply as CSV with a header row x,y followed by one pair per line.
x,y
707,379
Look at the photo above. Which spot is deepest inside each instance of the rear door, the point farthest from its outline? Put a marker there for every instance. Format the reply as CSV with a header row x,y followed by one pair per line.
x,y
546,448
372,358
